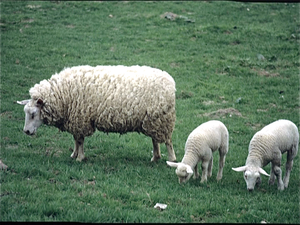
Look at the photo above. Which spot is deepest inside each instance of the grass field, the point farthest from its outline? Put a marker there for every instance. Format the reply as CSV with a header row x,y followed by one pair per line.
x,y
232,61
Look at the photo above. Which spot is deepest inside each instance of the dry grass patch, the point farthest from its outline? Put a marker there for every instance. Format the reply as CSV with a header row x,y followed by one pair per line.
x,y
223,113
262,72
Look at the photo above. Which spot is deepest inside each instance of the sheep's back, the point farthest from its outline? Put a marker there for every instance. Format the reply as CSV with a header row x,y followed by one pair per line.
x,y
212,134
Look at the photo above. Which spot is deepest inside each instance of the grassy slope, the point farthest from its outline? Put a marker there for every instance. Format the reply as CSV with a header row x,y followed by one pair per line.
x,y
214,63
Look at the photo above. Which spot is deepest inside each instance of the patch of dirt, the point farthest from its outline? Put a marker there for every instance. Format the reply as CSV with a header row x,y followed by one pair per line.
x,y
33,6
169,15
265,73
223,113
174,65
70,26
28,21
12,146
256,126
271,105
208,102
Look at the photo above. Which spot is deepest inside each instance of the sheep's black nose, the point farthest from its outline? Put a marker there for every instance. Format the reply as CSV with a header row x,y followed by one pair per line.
x,y
250,189
27,132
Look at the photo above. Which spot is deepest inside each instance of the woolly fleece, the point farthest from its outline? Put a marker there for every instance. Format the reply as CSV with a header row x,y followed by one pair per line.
x,y
110,98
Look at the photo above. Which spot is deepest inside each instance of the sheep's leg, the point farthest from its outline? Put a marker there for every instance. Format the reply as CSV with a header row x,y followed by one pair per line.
x,y
278,174
79,147
272,176
196,173
210,165
221,165
156,151
75,151
172,156
289,166
204,167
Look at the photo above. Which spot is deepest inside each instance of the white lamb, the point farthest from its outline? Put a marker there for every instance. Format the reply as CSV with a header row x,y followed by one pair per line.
x,y
268,145
110,98
199,147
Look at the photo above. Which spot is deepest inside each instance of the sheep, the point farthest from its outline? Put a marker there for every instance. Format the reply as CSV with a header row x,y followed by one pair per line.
x,y
268,145
199,147
117,99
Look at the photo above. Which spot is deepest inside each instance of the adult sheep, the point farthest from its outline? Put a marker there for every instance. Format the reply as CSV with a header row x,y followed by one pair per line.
x,y
110,98
268,145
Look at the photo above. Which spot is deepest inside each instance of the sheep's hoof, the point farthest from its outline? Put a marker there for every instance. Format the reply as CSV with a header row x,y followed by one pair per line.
x,y
203,181
271,181
73,155
173,159
281,188
155,158
79,159
2,166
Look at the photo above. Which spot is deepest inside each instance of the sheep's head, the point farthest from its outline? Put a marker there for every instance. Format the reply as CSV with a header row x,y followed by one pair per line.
x,y
32,111
183,171
251,175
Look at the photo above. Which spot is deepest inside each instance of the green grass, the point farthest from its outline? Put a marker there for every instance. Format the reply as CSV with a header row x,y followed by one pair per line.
x,y
212,52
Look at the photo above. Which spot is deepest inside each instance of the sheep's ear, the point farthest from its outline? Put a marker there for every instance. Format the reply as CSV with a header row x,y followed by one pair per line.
x,y
23,102
172,164
240,169
189,170
260,170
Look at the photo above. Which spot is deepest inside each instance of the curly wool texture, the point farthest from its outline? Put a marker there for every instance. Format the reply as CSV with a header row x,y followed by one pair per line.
x,y
280,136
110,98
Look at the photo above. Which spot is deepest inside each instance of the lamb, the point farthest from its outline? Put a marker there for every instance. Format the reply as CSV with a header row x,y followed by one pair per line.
x,y
268,145
117,99
199,147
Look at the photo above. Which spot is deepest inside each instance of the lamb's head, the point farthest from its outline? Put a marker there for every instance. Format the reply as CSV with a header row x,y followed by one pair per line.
x,y
251,175
32,111
183,171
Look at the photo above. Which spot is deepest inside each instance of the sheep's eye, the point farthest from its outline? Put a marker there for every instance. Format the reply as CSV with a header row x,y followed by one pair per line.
x,y
246,177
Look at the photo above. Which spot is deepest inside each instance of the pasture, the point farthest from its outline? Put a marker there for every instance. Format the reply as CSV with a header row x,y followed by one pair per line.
x,y
232,61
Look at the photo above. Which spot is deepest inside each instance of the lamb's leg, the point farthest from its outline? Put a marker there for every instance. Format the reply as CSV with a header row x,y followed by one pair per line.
x,y
172,156
272,176
221,165
278,174
289,166
275,167
196,173
210,165
156,151
79,147
204,167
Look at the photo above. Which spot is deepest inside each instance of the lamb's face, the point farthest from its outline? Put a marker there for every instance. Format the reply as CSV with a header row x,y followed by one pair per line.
x,y
183,175
251,177
32,116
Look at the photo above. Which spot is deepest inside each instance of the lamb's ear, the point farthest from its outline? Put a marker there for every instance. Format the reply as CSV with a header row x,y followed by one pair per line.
x,y
23,102
260,170
172,164
189,170
240,169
